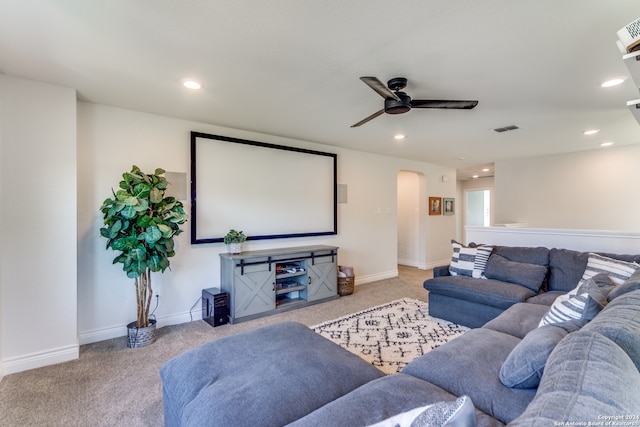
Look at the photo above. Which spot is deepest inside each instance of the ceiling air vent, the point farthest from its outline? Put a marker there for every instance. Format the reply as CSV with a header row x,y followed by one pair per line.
x,y
506,128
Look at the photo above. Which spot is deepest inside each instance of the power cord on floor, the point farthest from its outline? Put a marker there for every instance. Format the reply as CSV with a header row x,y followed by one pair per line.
x,y
192,307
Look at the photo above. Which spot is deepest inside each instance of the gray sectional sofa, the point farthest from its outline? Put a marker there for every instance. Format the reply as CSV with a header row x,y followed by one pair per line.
x,y
580,371
516,278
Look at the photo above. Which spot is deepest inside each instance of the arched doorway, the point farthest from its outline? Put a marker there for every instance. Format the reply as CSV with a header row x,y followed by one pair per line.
x,y
411,210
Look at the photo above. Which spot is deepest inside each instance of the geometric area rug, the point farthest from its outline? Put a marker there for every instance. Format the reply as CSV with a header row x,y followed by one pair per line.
x,y
390,335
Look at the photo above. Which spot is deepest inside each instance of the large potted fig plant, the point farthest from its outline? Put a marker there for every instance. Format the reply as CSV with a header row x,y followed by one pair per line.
x,y
140,224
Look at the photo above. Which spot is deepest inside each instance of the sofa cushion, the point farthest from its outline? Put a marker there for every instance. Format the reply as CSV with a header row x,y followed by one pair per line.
x,y
530,255
525,364
467,261
525,274
488,292
470,364
545,298
566,267
205,385
457,413
383,398
620,322
587,377
518,320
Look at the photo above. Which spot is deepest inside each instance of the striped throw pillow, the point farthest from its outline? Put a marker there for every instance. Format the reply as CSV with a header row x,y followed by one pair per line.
x,y
467,261
572,304
617,270
565,307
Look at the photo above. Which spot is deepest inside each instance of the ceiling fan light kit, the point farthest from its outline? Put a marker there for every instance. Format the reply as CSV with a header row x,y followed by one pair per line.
x,y
398,102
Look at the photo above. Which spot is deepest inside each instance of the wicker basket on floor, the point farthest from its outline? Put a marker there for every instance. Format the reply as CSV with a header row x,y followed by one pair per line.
x,y
345,285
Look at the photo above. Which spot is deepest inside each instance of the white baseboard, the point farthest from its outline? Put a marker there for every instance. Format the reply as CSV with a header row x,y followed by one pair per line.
x,y
361,280
423,265
96,335
408,262
434,264
13,365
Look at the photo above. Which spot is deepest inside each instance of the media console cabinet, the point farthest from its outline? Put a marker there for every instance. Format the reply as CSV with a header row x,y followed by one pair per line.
x,y
265,282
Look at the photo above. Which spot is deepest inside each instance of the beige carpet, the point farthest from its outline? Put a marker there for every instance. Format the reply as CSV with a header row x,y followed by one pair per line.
x,y
111,385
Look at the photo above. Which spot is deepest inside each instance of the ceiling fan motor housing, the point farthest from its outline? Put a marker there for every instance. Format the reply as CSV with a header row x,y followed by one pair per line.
x,y
393,106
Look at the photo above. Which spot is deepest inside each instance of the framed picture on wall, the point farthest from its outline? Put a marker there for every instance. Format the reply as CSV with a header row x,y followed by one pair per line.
x,y
448,206
435,205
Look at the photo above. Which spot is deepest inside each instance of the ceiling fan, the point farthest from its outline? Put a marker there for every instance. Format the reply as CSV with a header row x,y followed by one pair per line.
x,y
397,102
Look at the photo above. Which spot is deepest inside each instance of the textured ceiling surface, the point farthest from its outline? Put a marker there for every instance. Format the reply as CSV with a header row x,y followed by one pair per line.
x,y
291,68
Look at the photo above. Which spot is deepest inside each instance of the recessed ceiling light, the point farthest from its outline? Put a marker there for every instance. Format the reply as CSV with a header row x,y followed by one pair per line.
x,y
398,136
486,170
475,176
192,84
606,144
614,82
591,131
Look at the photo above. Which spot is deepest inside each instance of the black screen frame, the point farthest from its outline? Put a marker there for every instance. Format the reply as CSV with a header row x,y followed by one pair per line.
x,y
276,235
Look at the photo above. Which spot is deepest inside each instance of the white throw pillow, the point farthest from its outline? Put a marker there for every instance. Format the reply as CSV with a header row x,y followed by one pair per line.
x,y
458,413
467,261
566,307
572,304
617,270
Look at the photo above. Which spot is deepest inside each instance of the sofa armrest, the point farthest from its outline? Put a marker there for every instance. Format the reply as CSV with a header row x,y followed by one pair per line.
x,y
440,271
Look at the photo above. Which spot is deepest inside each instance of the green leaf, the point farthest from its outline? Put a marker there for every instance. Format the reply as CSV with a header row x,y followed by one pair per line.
x,y
117,207
152,234
165,229
141,190
122,195
129,213
155,263
159,171
144,221
156,195
114,229
130,201
142,205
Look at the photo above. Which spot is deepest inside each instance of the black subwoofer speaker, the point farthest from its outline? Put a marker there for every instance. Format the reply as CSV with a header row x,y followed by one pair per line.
x,y
215,307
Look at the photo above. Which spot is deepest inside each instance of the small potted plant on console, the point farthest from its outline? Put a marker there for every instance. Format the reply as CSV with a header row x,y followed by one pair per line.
x,y
234,240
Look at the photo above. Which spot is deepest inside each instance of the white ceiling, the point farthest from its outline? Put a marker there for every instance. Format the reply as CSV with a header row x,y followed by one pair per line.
x,y
292,68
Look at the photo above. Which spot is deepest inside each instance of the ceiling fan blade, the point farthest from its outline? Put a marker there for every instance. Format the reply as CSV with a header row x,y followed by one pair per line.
x,y
379,87
371,117
435,103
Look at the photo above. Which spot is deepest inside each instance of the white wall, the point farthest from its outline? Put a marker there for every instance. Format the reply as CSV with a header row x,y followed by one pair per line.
x,y
408,218
38,216
593,190
2,83
110,140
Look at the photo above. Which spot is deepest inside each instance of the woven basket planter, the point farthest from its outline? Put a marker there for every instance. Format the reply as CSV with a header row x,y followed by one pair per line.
x,y
141,337
345,285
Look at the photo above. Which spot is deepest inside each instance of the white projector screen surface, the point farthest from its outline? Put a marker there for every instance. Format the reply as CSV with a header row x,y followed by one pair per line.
x,y
268,191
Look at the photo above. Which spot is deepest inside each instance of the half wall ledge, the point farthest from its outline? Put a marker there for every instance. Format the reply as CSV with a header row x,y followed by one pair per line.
x,y
619,242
